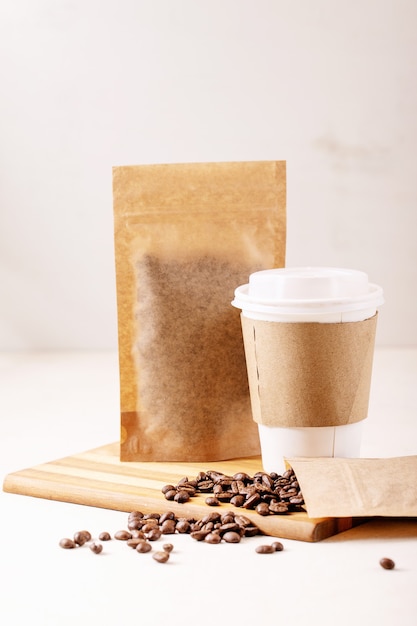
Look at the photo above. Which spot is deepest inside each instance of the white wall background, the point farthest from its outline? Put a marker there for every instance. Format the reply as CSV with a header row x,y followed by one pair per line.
x,y
328,85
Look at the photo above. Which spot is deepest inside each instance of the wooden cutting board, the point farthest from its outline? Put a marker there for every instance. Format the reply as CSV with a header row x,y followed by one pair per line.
x,y
98,478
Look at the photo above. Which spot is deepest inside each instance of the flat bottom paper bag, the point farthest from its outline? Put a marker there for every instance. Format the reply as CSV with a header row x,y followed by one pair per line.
x,y
186,235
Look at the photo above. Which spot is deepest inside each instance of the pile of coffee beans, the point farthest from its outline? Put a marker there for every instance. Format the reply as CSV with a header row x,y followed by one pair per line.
x,y
212,528
145,528
267,494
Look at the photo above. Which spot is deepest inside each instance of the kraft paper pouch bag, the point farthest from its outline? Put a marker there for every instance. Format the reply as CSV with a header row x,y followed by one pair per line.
x,y
185,235
358,487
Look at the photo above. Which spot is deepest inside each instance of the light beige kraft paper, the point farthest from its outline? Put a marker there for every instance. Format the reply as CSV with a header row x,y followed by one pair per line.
x,y
186,235
309,374
358,487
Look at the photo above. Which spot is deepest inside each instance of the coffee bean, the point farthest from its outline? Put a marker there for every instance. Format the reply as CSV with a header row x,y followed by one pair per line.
x,y
165,516
263,509
237,500
67,544
168,547
181,496
170,494
212,538
387,563
135,514
82,537
137,534
143,547
231,537
252,501
277,545
168,527
183,526
212,501
132,543
154,534
96,547
104,536
161,556
265,549
122,535
279,508
135,523
198,535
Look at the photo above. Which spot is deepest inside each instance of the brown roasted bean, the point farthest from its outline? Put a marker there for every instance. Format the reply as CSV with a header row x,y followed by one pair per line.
x,y
67,543
168,527
183,526
168,547
212,501
154,534
231,537
265,549
252,501
263,509
213,538
279,508
143,547
166,515
161,556
96,547
122,535
237,500
81,537
181,496
104,536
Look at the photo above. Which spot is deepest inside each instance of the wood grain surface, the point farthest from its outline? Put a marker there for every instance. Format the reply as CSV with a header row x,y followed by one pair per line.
x,y
98,478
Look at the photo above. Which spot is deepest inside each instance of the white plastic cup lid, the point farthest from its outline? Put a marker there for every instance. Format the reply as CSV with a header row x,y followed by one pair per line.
x,y
302,290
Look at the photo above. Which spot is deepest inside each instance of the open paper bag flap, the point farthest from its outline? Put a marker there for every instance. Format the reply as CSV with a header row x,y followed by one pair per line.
x,y
338,487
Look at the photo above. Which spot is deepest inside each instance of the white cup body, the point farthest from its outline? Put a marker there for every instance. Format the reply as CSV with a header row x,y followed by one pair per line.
x,y
308,294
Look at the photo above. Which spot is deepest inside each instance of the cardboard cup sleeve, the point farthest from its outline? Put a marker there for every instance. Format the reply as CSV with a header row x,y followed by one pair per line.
x,y
306,374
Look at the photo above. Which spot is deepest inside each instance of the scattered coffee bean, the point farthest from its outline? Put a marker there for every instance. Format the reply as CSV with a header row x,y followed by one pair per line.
x,y
181,496
387,563
265,549
96,547
154,534
168,527
168,547
277,545
212,501
143,547
213,538
183,526
122,535
263,508
104,536
81,537
132,543
67,543
161,556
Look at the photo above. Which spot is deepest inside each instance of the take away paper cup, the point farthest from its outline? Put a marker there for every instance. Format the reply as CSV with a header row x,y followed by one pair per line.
x,y
309,335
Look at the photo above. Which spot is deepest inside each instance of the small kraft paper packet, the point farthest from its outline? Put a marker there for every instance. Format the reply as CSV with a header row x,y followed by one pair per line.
x,y
185,236
369,487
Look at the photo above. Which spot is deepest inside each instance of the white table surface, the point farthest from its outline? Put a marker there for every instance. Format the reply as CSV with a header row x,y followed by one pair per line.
x,y
59,403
